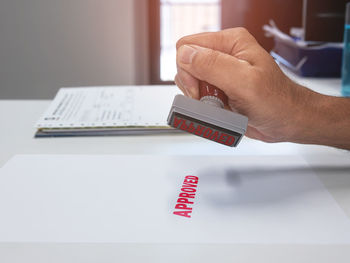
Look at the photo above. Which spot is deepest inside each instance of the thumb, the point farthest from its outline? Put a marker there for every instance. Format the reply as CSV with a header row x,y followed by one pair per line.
x,y
214,67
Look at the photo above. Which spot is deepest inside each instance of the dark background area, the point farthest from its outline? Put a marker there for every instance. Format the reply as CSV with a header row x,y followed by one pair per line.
x,y
253,14
324,20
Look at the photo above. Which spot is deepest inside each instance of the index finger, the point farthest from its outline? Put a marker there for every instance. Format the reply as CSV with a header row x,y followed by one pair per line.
x,y
237,42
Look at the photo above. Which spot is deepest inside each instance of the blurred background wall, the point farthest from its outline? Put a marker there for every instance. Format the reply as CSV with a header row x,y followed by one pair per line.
x,y
47,44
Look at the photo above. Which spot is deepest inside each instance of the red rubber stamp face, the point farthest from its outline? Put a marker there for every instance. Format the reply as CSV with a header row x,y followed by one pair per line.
x,y
205,130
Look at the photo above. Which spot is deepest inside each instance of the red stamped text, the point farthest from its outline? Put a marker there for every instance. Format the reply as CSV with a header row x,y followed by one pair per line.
x,y
186,198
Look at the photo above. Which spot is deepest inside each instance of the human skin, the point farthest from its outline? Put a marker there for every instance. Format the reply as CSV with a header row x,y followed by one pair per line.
x,y
279,110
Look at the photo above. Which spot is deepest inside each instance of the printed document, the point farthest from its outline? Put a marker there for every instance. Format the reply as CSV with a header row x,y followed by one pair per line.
x,y
108,111
133,199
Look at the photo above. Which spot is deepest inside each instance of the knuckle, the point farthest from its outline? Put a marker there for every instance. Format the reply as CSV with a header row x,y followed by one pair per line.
x,y
241,34
241,31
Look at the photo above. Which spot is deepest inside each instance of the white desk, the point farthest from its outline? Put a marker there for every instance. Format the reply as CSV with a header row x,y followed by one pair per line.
x,y
331,165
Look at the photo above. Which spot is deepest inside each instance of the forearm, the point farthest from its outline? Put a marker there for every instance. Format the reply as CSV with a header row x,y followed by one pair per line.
x,y
325,120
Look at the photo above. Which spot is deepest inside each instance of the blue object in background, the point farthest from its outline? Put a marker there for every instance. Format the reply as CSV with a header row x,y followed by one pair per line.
x,y
324,61
346,56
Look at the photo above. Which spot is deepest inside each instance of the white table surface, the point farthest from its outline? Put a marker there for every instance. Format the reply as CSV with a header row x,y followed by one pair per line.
x,y
332,166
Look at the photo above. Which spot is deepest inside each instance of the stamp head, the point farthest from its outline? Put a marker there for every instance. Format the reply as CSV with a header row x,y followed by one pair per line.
x,y
209,122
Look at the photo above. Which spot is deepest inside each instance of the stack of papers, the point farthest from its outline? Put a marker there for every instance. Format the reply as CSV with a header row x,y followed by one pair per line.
x,y
108,111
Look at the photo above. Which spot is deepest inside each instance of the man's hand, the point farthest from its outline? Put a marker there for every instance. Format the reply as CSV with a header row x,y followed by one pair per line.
x,y
278,109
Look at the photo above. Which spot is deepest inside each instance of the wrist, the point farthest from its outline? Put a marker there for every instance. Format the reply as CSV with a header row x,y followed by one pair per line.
x,y
323,120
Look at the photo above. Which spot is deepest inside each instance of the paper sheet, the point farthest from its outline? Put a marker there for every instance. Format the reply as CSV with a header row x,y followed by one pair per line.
x,y
109,107
71,198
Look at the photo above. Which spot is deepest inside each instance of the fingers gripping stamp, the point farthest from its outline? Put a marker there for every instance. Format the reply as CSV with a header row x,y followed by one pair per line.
x,y
208,117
